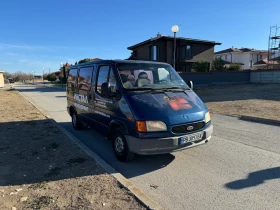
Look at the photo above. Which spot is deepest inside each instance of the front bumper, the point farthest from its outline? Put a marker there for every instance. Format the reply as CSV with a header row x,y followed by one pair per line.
x,y
154,146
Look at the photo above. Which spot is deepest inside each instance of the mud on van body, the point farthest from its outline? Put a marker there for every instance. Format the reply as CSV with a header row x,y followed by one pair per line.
x,y
143,107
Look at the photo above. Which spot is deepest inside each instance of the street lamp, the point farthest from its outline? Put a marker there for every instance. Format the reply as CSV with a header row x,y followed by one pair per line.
x,y
43,76
174,29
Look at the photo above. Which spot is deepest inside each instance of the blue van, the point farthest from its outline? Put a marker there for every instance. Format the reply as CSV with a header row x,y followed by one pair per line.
x,y
144,107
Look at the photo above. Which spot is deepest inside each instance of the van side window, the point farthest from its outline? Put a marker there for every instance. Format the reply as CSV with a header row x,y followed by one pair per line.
x,y
71,81
102,77
112,82
85,75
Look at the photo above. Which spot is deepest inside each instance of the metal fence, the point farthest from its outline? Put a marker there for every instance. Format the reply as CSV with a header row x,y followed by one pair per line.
x,y
232,77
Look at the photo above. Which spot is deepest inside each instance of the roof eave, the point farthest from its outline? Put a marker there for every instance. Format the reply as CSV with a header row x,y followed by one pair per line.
x,y
169,38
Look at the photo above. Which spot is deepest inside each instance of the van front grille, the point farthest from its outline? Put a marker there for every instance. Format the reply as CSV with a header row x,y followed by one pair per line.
x,y
188,127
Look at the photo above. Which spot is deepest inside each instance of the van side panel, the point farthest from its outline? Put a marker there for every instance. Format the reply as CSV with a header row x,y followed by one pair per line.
x,y
71,88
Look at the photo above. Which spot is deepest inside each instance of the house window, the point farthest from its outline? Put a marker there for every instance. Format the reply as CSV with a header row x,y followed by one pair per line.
x,y
186,67
135,53
153,53
226,57
185,52
260,57
251,63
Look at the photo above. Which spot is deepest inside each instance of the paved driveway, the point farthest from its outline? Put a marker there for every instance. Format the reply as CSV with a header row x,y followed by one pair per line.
x,y
238,169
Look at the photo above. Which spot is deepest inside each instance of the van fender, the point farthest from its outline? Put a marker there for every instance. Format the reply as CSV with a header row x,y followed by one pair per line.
x,y
72,109
114,124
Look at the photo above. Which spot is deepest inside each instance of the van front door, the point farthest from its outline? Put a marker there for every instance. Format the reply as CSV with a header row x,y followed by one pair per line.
x,y
105,106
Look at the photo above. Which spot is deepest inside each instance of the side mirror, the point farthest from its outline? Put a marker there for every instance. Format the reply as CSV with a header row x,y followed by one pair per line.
x,y
105,89
190,84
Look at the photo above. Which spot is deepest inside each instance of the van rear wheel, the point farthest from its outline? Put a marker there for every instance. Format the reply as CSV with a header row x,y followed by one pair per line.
x,y
77,125
120,147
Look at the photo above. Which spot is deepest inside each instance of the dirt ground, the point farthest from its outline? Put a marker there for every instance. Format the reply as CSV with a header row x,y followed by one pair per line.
x,y
261,101
42,169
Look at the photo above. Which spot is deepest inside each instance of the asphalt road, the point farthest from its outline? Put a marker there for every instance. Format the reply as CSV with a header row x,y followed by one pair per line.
x,y
238,169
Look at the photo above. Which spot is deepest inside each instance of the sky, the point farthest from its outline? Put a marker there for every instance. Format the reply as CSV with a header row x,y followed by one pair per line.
x,y
37,34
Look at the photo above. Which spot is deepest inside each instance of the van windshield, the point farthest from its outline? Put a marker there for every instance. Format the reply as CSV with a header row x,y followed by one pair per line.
x,y
139,76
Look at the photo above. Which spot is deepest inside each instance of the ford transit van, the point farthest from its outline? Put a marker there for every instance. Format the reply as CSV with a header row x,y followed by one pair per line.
x,y
143,107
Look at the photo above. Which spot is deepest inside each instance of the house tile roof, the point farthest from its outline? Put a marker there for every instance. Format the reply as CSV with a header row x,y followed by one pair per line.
x,y
265,61
228,50
240,50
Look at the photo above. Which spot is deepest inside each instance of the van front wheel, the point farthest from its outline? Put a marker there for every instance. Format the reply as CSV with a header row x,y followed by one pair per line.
x,y
120,147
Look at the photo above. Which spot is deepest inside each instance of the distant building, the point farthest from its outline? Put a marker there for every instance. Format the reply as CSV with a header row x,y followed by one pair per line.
x,y
1,79
161,48
248,58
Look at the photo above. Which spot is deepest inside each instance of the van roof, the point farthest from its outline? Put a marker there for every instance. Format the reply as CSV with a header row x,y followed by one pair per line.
x,y
117,61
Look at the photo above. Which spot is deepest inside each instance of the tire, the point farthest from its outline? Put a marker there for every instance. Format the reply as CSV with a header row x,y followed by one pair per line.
x,y
77,125
120,146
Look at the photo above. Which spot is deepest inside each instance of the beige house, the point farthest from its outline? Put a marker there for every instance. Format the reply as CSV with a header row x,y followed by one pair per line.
x,y
1,79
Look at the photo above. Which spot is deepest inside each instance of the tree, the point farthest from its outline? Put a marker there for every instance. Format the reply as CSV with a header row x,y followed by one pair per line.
x,y
85,60
234,67
8,75
218,65
20,76
45,76
201,66
51,77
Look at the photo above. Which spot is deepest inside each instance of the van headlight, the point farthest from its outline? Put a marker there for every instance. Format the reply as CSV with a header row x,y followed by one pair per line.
x,y
150,126
207,117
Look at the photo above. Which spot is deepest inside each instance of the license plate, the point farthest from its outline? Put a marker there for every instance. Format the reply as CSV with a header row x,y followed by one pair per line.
x,y
190,138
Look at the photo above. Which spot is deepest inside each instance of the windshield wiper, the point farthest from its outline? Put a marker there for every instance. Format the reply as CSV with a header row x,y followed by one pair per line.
x,y
139,89
173,88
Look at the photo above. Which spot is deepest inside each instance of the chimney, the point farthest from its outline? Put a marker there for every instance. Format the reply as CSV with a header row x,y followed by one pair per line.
x,y
158,35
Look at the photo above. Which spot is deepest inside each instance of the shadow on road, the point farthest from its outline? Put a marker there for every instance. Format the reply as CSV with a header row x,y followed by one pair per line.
x,y
141,164
35,88
255,179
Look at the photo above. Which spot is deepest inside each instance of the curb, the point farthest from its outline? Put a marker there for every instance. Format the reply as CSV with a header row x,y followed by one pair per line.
x,y
141,196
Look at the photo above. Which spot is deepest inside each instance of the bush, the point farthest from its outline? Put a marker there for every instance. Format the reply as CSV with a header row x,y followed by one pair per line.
x,y
51,77
234,67
218,65
85,60
201,66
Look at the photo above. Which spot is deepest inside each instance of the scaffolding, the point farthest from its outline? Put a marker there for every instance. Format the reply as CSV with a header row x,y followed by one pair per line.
x,y
273,47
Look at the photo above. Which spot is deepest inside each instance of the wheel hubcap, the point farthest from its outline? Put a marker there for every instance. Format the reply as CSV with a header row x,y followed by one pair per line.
x,y
74,119
119,144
